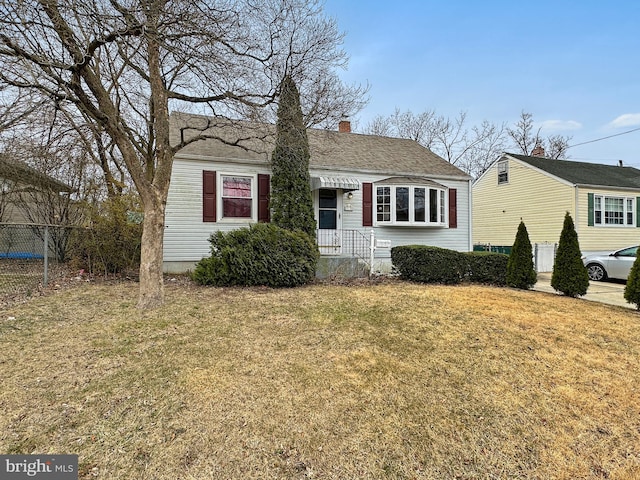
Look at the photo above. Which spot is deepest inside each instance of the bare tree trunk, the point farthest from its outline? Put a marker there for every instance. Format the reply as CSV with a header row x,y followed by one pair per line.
x,y
120,66
155,186
151,293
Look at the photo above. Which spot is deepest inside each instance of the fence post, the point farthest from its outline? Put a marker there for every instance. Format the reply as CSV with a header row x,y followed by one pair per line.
x,y
46,255
372,250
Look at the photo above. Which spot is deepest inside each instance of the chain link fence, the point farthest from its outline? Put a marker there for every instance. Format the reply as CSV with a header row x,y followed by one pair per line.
x,y
31,256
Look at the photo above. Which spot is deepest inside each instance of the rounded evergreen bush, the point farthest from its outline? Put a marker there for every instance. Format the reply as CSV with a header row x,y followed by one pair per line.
x,y
262,254
487,267
427,264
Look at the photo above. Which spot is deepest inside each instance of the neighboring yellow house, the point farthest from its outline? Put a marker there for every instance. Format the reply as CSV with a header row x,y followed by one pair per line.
x,y
603,200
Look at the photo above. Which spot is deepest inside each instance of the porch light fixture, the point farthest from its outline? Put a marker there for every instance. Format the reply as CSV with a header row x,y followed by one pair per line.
x,y
350,195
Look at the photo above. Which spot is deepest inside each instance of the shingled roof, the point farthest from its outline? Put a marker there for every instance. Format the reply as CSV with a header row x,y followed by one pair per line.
x,y
583,173
19,172
330,150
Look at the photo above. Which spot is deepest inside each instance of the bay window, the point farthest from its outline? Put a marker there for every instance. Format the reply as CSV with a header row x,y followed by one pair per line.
x,y
402,204
413,205
383,204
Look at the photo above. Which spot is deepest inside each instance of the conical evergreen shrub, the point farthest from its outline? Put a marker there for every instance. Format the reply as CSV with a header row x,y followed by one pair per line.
x,y
520,271
291,200
632,289
569,273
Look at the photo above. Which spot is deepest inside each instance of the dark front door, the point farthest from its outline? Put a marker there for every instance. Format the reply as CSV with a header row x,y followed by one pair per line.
x,y
329,222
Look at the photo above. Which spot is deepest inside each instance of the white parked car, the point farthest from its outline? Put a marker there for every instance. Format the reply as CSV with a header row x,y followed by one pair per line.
x,y
610,264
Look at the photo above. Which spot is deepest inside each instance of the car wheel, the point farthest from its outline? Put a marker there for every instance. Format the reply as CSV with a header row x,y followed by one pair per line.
x,y
596,272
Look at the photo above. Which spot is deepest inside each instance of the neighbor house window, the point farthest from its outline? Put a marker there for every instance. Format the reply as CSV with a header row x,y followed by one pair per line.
x,y
608,210
503,172
410,205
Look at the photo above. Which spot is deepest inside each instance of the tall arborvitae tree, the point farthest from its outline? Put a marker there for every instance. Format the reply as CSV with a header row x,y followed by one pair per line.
x,y
569,273
520,271
632,288
291,202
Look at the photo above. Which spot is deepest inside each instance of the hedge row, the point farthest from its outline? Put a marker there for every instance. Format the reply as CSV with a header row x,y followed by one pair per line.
x,y
421,263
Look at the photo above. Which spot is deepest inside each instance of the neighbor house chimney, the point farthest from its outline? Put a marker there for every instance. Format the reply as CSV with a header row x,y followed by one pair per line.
x,y
344,126
620,164
538,151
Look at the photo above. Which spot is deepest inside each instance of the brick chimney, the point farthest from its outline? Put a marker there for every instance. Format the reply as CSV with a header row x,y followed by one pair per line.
x,y
344,126
538,151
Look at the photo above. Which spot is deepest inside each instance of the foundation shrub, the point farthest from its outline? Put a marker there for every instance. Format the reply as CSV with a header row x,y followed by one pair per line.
x,y
262,254
427,264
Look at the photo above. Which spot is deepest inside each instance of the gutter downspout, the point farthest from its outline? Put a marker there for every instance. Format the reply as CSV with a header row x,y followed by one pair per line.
x,y
576,200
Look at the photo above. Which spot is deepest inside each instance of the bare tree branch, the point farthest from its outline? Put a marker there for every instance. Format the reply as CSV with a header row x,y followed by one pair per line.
x,y
525,140
469,149
122,65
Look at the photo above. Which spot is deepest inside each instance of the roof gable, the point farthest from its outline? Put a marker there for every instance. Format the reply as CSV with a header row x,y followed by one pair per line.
x,y
330,150
20,172
584,173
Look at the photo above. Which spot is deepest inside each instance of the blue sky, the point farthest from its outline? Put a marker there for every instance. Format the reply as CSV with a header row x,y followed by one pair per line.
x,y
574,65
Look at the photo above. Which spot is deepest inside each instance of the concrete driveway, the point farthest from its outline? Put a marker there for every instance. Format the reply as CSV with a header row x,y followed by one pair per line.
x,y
611,292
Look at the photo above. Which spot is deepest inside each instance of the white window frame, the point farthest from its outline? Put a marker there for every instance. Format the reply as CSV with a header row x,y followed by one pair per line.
x,y
220,197
600,217
503,171
441,208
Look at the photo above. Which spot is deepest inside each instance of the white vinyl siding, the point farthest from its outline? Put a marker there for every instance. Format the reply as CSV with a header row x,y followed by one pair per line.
x,y
186,235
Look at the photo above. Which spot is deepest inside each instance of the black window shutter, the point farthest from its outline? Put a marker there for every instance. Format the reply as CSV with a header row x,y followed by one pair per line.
x,y
367,204
453,208
208,196
264,190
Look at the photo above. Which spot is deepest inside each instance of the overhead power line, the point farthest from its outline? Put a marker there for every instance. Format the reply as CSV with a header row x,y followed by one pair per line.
x,y
604,138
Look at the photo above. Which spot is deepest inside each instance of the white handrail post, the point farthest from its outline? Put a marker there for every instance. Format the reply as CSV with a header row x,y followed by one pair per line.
x,y
372,250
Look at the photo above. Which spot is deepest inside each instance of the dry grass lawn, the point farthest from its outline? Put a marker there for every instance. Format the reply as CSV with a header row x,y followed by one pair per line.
x,y
387,381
